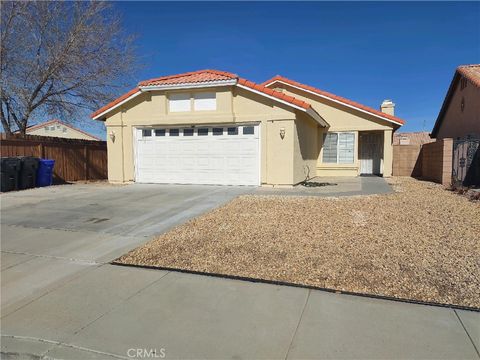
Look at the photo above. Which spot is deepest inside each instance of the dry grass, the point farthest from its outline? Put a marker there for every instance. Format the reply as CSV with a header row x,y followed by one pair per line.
x,y
421,243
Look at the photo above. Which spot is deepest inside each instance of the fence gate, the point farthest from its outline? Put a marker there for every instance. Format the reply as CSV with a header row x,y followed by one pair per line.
x,y
466,162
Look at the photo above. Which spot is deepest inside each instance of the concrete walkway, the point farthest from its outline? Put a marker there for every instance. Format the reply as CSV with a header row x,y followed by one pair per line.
x,y
61,299
337,186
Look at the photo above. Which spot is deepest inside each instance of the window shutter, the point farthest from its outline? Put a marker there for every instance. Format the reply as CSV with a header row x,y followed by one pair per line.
x,y
179,102
204,101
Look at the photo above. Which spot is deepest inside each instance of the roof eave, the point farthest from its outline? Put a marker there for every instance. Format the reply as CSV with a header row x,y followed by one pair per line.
x,y
273,81
309,110
194,85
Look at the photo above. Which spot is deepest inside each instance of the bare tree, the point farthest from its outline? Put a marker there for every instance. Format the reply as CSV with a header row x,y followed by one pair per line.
x,y
60,58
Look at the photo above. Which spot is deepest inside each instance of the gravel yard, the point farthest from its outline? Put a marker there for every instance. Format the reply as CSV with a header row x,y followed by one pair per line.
x,y
421,243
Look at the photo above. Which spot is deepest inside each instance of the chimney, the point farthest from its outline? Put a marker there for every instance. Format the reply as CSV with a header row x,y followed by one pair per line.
x,y
388,107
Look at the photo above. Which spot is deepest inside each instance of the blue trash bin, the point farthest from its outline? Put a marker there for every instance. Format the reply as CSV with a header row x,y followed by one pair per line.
x,y
45,172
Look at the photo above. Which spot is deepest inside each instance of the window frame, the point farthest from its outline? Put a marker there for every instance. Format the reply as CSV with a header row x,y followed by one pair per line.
x,y
339,133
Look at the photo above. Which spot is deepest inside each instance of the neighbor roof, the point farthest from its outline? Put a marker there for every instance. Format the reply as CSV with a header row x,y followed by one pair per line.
x,y
56,121
207,78
414,138
470,72
335,98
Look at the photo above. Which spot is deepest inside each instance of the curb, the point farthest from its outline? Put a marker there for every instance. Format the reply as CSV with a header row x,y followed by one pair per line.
x,y
285,283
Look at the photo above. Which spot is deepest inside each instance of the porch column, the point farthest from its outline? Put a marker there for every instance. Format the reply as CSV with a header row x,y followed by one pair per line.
x,y
387,153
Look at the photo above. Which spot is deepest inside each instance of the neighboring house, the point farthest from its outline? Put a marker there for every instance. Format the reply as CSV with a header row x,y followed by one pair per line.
x,y
213,127
56,128
412,138
460,112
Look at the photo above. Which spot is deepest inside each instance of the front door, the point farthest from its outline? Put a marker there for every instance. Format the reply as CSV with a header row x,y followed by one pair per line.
x,y
370,153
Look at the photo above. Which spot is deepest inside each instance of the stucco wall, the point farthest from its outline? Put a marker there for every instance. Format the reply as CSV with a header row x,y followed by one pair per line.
x,y
306,148
457,123
343,118
233,106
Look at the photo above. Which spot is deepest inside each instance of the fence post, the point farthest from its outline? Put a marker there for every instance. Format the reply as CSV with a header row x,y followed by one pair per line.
x,y
41,151
86,164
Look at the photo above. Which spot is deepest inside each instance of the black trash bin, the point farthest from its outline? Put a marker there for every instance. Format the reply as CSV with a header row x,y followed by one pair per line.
x,y
10,168
28,172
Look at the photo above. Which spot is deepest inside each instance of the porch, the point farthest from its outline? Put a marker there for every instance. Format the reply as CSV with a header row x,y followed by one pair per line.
x,y
355,153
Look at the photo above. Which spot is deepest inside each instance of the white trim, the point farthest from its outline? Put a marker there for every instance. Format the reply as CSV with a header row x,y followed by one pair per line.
x,y
310,112
336,101
189,85
169,87
117,105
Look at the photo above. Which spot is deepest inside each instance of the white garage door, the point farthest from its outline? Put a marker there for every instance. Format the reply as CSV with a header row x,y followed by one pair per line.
x,y
223,155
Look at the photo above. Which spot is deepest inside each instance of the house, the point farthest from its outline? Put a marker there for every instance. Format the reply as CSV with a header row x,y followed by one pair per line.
x,y
56,128
412,138
460,113
213,127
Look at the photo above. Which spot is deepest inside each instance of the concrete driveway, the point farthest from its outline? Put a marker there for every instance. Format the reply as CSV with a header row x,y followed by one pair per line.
x,y
51,235
61,299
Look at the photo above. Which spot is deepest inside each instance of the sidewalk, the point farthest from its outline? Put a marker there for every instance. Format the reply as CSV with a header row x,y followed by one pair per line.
x,y
107,310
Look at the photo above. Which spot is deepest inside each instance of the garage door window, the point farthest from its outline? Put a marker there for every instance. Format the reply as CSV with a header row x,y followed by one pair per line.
x,y
146,132
233,131
159,132
203,132
187,132
248,130
173,132
217,131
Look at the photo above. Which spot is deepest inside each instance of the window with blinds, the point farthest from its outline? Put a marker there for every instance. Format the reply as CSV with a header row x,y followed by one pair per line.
x,y
330,141
338,148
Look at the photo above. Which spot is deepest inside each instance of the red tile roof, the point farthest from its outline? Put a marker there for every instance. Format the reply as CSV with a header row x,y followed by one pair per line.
x,y
334,97
190,77
115,102
203,76
471,72
277,94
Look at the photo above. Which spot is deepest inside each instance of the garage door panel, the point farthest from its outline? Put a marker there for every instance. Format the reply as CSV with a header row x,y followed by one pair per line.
x,y
225,160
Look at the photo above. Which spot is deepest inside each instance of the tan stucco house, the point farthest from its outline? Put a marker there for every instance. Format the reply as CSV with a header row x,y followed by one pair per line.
x,y
459,115
213,127
57,128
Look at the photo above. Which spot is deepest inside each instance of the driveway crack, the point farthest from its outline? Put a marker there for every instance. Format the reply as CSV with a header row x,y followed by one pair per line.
x,y
464,328
298,324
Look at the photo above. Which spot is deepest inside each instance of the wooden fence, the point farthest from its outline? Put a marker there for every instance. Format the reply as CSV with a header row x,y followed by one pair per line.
x,y
75,159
